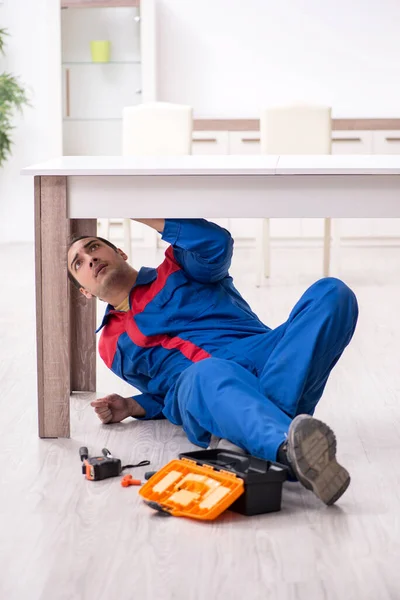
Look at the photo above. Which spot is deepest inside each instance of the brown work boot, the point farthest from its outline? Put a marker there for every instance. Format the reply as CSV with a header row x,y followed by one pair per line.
x,y
311,453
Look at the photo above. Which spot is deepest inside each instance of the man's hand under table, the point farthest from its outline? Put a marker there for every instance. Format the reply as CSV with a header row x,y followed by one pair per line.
x,y
115,408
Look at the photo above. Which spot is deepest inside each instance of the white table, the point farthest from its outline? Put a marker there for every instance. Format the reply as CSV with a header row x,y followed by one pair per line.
x,y
72,192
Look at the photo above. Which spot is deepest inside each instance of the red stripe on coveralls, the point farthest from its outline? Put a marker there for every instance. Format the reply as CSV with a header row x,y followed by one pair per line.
x,y
109,337
189,350
141,297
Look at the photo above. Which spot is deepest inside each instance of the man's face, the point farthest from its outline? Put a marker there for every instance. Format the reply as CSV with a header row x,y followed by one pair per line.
x,y
96,266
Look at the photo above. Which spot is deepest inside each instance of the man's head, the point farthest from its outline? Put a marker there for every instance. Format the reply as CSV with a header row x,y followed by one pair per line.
x,y
97,267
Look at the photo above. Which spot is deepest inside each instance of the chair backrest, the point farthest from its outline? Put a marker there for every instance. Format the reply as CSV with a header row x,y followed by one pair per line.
x,y
298,129
157,129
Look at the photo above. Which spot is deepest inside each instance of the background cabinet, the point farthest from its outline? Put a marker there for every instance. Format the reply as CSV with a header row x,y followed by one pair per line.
x,y
352,142
386,142
210,142
244,142
94,94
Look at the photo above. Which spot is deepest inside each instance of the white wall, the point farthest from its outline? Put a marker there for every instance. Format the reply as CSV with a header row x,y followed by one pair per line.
x,y
230,57
33,53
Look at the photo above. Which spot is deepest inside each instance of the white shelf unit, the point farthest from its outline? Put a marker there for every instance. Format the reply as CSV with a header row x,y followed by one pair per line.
x,y
94,94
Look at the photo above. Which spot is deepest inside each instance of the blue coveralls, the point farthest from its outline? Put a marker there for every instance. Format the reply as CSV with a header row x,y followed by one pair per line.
x,y
202,359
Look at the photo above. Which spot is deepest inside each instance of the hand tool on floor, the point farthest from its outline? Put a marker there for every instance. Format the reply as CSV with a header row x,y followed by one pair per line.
x,y
96,468
128,480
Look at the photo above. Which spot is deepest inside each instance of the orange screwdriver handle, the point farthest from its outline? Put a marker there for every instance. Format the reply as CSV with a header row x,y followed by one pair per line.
x,y
128,480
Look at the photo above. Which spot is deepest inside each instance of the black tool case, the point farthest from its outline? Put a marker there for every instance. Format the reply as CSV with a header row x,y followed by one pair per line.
x,y
262,479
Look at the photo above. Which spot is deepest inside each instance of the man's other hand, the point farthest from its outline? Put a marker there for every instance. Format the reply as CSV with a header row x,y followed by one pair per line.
x,y
114,408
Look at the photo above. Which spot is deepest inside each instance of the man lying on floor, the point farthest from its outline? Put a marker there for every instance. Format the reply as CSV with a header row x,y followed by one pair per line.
x,y
183,335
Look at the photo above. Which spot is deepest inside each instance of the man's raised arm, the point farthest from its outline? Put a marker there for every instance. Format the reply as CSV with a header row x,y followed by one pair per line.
x,y
203,249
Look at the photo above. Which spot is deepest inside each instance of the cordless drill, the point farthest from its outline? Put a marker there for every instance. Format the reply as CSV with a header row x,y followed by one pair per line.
x,y
99,467
102,467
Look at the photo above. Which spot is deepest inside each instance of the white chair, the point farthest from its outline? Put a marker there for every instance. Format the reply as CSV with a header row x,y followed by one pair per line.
x,y
298,129
155,129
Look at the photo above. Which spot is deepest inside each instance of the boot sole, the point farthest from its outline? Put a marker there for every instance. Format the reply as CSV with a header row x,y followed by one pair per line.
x,y
312,455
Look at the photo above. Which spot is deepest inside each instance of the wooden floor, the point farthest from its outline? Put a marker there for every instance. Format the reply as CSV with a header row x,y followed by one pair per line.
x,y
64,538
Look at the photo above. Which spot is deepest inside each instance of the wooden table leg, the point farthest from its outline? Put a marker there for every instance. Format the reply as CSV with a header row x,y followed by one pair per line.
x,y
82,324
52,306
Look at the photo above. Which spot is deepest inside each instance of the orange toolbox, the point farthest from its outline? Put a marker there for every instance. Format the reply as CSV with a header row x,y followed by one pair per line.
x,y
202,484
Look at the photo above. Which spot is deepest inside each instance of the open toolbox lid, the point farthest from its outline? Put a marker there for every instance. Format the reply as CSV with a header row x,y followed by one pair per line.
x,y
184,489
204,483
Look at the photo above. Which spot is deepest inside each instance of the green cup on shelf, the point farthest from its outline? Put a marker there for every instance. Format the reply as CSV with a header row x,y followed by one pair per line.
x,y
100,50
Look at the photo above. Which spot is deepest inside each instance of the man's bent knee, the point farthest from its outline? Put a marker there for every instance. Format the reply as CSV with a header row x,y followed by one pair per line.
x,y
337,293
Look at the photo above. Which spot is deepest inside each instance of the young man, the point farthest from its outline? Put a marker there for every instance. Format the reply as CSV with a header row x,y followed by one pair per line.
x,y
184,337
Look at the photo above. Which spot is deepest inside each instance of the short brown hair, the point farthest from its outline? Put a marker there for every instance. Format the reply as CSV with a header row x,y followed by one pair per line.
x,y
72,279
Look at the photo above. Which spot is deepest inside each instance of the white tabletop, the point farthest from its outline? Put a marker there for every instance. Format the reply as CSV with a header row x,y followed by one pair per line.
x,y
156,165
219,165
